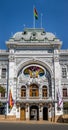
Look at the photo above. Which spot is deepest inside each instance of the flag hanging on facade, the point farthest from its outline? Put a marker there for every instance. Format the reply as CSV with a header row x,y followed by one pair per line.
x,y
60,100
11,102
35,13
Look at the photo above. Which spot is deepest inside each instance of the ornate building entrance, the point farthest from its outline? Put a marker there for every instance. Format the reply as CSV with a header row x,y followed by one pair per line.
x,y
34,89
22,113
34,112
45,113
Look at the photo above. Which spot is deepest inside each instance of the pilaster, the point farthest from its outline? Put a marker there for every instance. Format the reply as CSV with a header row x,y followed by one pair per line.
x,y
27,112
40,111
12,81
57,79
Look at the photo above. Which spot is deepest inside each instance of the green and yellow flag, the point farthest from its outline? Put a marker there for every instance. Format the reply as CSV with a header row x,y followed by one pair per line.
x,y
35,13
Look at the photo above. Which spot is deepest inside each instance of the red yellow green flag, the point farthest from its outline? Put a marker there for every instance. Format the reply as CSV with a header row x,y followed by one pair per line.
x,y
11,103
35,13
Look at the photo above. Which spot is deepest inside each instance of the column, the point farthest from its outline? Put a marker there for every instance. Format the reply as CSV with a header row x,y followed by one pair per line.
x,y
12,82
27,92
27,111
40,92
57,80
52,80
40,111
7,110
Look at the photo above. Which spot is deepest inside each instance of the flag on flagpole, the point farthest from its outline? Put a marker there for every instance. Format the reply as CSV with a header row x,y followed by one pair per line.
x,y
11,102
60,100
35,13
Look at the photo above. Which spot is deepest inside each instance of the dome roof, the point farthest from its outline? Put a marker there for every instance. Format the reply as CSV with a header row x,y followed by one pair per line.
x,y
33,35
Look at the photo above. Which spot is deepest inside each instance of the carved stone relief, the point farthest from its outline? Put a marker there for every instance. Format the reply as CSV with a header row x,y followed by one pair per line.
x,y
11,57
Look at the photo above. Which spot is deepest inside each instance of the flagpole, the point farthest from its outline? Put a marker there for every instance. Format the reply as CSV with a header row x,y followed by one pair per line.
x,y
33,18
41,19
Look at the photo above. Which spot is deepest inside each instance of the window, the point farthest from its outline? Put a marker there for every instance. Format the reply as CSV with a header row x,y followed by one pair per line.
x,y
23,91
3,73
64,92
2,94
34,71
64,73
34,90
65,107
44,91
2,91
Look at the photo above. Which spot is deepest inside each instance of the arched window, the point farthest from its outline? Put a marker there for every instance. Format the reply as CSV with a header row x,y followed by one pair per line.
x,y
44,91
34,71
23,91
34,92
64,72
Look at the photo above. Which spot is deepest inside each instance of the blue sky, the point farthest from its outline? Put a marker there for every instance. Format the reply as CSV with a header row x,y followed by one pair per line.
x,y
14,14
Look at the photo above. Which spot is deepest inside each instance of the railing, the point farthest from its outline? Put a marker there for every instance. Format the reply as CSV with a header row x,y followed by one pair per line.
x,y
34,97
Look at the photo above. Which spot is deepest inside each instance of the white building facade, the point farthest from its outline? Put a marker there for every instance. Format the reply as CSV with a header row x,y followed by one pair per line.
x,y
35,71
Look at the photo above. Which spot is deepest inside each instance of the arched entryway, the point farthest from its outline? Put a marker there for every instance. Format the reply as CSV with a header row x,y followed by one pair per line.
x,y
34,112
45,113
22,113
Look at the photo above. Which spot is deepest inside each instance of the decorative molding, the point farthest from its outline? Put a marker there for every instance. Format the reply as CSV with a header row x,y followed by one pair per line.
x,y
56,58
11,58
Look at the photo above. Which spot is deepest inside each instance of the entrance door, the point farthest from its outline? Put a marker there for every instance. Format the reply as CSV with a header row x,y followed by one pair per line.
x,y
22,114
45,113
34,113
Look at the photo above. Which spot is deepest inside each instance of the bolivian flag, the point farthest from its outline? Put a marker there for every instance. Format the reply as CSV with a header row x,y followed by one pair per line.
x,y
35,13
11,102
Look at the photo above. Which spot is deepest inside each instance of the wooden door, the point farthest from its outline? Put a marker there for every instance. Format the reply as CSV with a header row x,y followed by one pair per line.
x,y
22,114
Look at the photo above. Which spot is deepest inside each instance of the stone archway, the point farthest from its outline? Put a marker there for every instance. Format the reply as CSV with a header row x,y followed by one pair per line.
x,y
34,112
35,71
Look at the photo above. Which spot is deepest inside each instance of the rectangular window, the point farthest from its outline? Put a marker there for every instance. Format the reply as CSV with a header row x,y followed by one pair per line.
x,y
3,94
65,107
44,94
33,93
23,93
64,92
64,73
3,75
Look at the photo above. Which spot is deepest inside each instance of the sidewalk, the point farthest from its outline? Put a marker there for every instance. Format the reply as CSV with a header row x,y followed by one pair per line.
x,y
32,122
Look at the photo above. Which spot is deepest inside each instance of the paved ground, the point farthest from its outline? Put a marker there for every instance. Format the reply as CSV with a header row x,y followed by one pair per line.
x,y
31,126
32,122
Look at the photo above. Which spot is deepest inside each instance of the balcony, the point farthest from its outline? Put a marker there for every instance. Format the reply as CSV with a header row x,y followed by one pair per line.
x,y
34,99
